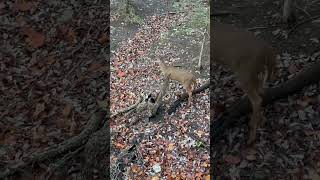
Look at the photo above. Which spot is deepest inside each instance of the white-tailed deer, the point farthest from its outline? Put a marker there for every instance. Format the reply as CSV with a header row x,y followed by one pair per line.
x,y
187,79
252,60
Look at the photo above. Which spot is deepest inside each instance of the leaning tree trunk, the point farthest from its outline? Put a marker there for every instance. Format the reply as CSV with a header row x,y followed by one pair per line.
x,y
289,14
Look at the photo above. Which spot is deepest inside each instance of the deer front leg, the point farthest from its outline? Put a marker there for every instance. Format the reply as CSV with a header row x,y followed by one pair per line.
x,y
256,118
188,88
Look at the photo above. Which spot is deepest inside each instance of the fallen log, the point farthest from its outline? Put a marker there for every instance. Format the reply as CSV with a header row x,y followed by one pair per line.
x,y
184,97
230,117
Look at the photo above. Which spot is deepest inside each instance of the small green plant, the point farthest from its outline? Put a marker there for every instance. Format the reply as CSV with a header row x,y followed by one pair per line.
x,y
164,37
197,20
127,13
199,144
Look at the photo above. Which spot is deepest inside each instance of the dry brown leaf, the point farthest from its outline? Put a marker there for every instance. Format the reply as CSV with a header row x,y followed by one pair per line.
x,y
103,103
292,68
199,175
312,132
120,146
22,5
35,39
251,157
67,110
2,5
21,21
207,177
171,146
94,66
121,73
103,39
231,159
155,178
200,133
205,164
39,108
135,168
50,60
71,36
140,52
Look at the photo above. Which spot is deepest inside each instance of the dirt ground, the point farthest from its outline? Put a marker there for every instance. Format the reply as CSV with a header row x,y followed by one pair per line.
x,y
53,70
166,147
287,147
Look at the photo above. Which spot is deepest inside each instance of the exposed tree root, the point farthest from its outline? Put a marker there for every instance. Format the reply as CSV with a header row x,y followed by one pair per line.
x,y
72,144
241,107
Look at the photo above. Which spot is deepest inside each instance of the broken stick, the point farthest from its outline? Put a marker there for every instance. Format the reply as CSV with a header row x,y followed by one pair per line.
x,y
160,96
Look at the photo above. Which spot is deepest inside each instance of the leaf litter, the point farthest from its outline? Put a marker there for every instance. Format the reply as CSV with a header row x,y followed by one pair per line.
x,y
171,148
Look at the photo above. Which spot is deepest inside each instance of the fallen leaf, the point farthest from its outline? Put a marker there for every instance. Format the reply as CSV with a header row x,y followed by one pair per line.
x,y
315,40
103,103
231,159
198,175
120,146
292,68
39,108
73,127
103,39
71,36
312,132
171,146
94,66
155,178
21,21
140,52
121,73
66,110
205,164
302,115
251,157
276,32
50,60
207,177
200,133
2,5
135,168
22,5
35,39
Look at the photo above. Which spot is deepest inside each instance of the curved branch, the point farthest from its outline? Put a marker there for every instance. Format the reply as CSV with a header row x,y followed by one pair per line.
x,y
184,97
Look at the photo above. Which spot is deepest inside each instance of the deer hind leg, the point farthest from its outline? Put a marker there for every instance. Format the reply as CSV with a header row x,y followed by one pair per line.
x,y
261,84
252,88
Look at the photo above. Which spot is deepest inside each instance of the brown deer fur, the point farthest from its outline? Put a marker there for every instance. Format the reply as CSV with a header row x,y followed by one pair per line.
x,y
253,61
187,79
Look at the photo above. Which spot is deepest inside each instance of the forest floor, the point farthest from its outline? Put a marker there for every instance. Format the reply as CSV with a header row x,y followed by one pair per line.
x,y
53,71
173,146
288,145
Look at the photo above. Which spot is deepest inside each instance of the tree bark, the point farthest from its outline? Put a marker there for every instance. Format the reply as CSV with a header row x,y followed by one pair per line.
x,y
289,15
160,96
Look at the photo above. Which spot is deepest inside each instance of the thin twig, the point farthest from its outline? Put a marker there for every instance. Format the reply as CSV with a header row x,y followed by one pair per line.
x,y
201,51
256,28
303,22
223,13
303,10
